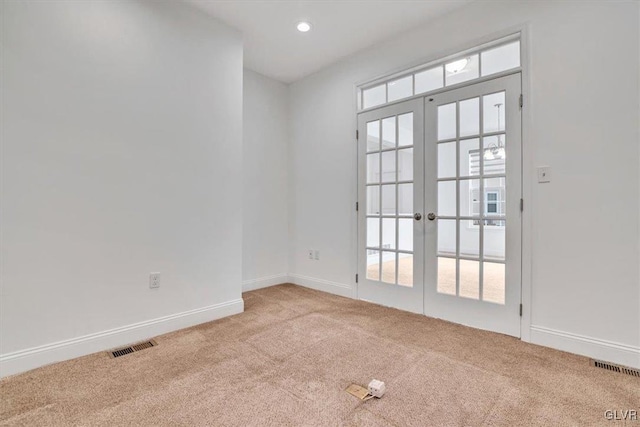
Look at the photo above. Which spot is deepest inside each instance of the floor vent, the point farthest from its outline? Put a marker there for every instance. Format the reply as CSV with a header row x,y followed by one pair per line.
x,y
616,368
132,348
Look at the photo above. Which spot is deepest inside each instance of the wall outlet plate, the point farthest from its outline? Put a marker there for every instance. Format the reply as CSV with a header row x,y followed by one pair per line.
x,y
310,253
154,280
316,255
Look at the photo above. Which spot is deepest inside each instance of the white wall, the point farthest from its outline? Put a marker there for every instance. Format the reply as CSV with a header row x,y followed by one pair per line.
x,y
265,213
121,156
582,105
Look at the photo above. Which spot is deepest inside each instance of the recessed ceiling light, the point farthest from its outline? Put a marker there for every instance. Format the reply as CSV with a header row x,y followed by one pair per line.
x,y
303,27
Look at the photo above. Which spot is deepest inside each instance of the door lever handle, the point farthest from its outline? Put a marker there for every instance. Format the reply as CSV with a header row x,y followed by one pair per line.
x,y
431,216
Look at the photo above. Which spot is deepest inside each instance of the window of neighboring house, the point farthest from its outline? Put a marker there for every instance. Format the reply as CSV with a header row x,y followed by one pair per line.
x,y
494,197
491,203
494,205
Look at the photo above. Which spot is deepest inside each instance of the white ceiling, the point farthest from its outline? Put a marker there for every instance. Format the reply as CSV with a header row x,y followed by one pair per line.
x,y
275,48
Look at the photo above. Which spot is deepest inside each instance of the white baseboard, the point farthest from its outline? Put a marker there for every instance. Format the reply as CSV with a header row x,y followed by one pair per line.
x,y
24,360
586,346
323,285
264,282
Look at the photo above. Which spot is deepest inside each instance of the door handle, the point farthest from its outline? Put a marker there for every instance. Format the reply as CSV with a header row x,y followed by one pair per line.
x,y
431,216
417,216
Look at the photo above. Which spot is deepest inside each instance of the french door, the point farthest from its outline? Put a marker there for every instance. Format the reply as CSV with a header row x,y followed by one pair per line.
x,y
473,149
440,232
390,194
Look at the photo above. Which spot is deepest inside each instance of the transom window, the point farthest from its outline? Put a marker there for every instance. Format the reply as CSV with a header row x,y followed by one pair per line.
x,y
492,58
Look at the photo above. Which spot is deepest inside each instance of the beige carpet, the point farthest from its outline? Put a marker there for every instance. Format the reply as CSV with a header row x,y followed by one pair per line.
x,y
287,360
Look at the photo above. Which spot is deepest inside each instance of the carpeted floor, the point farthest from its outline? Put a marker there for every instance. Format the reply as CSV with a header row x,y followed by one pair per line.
x,y
289,357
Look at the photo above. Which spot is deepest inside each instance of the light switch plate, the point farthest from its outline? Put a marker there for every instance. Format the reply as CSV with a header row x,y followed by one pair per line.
x,y
544,174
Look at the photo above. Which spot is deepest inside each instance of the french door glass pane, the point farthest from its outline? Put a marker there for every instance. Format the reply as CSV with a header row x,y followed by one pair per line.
x,y
469,279
469,238
373,232
446,276
405,199
373,264
405,164
388,132
405,129
405,269
373,200
470,117
373,136
493,281
470,157
447,198
373,168
389,199
389,166
495,154
470,197
493,112
447,121
447,160
495,188
388,233
405,234
494,240
389,267
447,243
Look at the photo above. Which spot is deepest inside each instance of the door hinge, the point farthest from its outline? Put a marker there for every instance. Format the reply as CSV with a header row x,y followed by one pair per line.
x,y
356,278
520,310
521,101
357,134
521,205
357,206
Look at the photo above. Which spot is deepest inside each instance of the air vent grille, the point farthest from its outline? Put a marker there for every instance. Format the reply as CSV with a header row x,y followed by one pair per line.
x,y
142,346
132,348
615,368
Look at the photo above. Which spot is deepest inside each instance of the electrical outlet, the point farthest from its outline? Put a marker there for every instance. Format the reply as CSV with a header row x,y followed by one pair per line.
x,y
310,253
154,280
316,255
